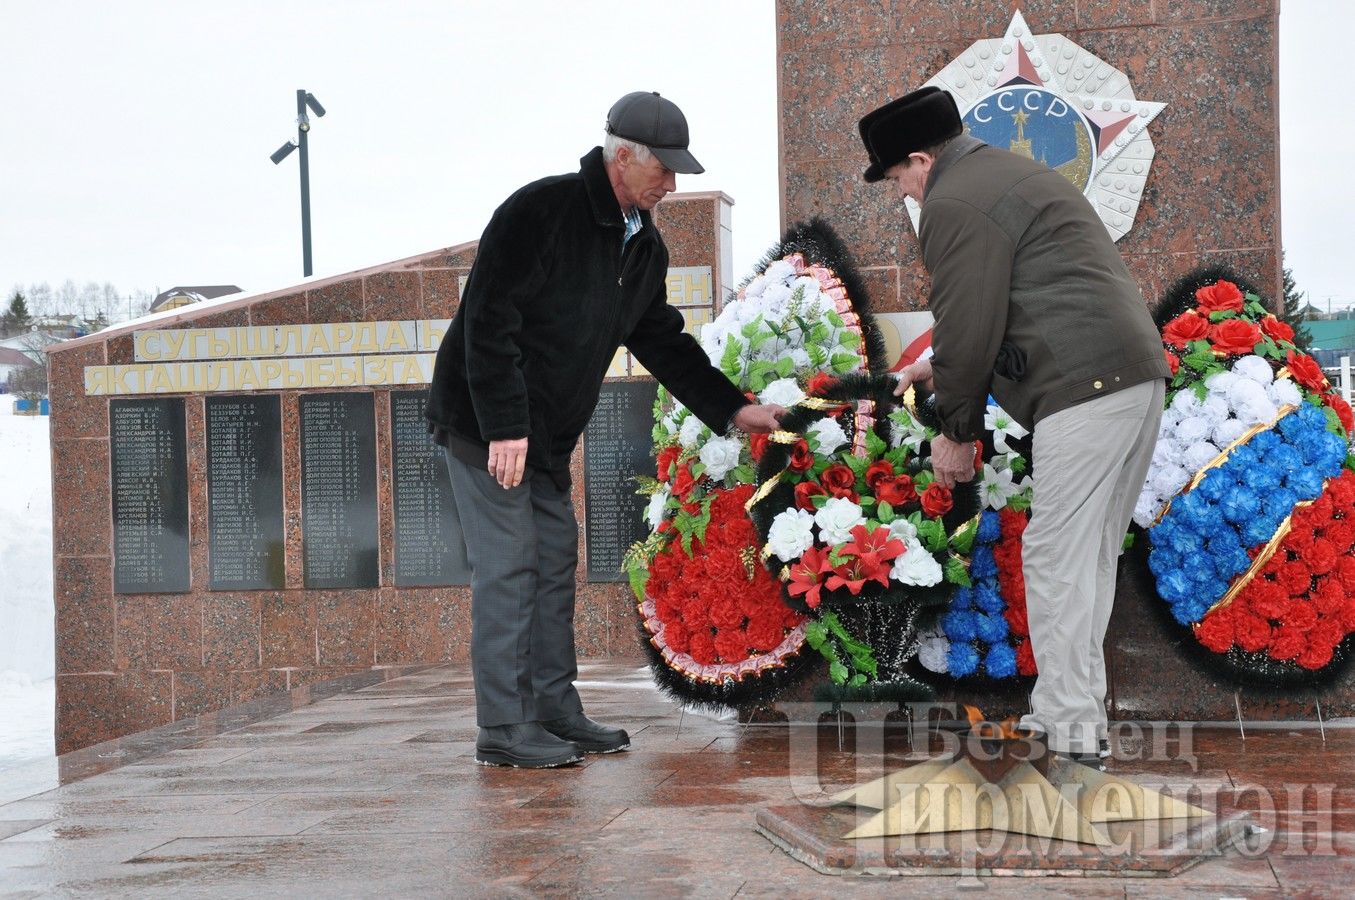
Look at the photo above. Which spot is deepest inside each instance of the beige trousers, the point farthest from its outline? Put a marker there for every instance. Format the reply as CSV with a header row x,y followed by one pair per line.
x,y
1090,461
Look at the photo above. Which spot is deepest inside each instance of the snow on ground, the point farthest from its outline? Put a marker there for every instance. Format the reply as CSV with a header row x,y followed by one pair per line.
x,y
27,654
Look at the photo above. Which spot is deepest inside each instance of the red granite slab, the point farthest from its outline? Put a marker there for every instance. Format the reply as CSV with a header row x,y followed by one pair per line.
x,y
232,630
73,414
85,614
441,291
160,631
82,502
335,302
393,296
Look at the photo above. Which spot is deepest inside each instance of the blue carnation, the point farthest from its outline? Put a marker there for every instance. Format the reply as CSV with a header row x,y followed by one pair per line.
x,y
1244,456
991,629
1174,586
1000,661
1293,424
962,660
1265,442
1238,505
987,598
1285,458
1261,479
1257,531
1163,560
1213,487
1278,505
960,625
981,563
1188,612
990,527
1184,541
1307,483
963,598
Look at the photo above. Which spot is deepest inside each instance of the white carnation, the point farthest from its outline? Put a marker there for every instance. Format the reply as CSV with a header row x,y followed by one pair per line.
x,y
654,512
779,272
720,455
836,519
1283,392
827,436
1228,431
1220,382
1195,428
791,534
1145,510
1214,409
1250,401
1198,455
809,285
1254,368
1169,480
1185,403
916,567
799,357
690,432
783,392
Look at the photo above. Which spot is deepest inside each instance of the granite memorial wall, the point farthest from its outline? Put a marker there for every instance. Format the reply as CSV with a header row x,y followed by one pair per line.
x,y
247,500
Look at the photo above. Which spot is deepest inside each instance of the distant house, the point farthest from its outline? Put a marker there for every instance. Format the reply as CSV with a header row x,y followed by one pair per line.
x,y
33,343
11,361
1331,339
184,295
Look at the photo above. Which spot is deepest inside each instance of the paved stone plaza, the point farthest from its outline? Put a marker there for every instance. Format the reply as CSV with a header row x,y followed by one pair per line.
x,y
372,791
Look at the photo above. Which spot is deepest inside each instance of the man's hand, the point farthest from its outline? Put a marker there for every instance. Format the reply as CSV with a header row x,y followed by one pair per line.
x,y
759,419
918,373
507,461
952,461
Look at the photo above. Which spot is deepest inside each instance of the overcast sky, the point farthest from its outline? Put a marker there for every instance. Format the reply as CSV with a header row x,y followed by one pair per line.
x,y
137,134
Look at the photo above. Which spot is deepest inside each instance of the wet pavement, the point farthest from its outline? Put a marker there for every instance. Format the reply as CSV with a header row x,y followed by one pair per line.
x,y
368,788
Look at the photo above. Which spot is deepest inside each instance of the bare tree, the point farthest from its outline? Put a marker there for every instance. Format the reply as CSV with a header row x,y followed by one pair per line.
x,y
40,299
30,382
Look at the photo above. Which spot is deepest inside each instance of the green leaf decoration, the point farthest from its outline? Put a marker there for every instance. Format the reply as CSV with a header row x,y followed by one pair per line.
x,y
885,512
963,542
844,362
875,445
818,356
838,672
956,573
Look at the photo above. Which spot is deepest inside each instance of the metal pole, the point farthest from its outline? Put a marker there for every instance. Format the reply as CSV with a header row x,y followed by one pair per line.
x,y
305,182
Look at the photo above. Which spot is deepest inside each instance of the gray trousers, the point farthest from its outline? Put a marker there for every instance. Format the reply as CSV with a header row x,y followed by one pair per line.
x,y
523,549
1090,461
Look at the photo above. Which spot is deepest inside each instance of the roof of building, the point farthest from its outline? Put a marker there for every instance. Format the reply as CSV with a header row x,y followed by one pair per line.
x,y
12,357
196,293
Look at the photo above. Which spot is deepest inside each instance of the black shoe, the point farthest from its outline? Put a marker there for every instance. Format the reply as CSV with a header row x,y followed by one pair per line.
x,y
1103,749
524,745
589,735
1090,760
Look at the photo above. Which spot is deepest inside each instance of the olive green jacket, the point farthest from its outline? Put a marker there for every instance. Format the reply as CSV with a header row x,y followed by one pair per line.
x,y
1031,299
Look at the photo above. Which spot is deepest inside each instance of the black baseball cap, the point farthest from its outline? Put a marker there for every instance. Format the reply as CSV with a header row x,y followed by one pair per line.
x,y
646,118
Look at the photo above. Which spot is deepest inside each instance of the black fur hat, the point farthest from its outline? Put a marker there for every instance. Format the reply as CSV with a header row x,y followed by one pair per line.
x,y
913,122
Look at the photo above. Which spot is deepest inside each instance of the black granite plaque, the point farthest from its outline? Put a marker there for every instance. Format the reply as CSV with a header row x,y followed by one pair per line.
x,y
429,548
338,491
244,493
617,446
150,496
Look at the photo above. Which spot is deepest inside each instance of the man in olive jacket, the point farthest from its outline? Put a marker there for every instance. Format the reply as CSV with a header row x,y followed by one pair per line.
x,y
1033,304
569,268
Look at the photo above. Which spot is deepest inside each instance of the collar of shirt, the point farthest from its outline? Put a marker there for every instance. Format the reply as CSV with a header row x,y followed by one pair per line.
x,y
631,218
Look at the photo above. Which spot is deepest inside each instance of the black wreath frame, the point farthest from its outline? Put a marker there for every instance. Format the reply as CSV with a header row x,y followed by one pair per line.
x,y
848,389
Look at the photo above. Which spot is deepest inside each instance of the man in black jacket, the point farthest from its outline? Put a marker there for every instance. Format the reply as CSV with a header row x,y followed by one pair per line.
x,y
569,268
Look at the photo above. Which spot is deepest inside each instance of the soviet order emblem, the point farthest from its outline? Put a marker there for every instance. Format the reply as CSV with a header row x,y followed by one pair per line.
x,y
1045,97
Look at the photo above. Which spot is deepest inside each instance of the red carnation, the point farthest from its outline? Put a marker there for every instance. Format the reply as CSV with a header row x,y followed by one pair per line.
x,y
1267,599
1235,337
838,480
731,644
936,500
1173,361
1014,522
1341,533
1297,577
701,647
1215,631
1221,297
881,468
1288,643
765,632
757,445
1342,410
1321,558
819,383
1315,656
801,457
1253,632
1348,613
805,491
897,491
1276,330
1301,616
667,456
1187,327
1306,371
1015,614
1343,489
676,637
1025,659
1328,598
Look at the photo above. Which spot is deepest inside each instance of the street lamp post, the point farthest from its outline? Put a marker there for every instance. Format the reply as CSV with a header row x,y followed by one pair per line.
x,y
304,100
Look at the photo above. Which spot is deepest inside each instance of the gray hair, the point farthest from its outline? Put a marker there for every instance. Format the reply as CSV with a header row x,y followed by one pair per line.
x,y
614,143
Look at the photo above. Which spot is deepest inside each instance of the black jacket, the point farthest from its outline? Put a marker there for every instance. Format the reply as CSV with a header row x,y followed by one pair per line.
x,y
550,298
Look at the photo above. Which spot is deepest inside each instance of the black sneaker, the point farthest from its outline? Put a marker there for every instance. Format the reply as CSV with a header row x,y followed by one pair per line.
x,y
590,736
525,745
1103,748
